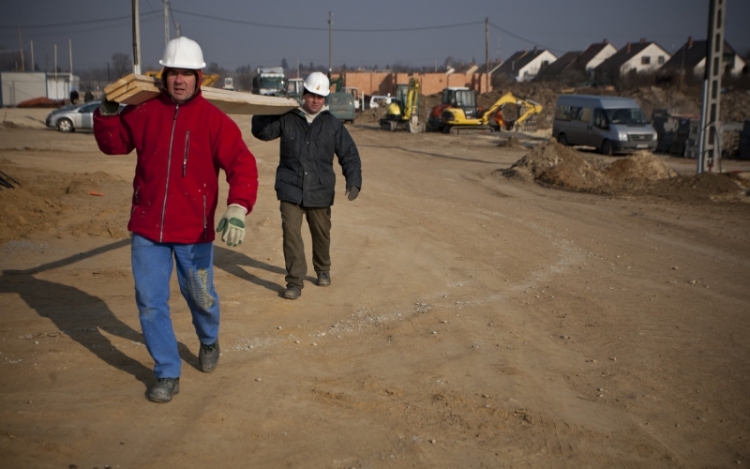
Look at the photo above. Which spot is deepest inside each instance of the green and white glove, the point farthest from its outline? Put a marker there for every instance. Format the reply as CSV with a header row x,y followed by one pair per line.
x,y
109,108
232,225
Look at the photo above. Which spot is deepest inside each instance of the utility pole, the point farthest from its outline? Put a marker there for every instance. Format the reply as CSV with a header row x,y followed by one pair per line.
x,y
57,96
166,22
487,51
70,53
20,46
33,66
136,39
709,141
330,25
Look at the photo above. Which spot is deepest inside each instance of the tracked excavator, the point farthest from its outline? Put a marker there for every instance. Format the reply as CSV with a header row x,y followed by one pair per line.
x,y
403,112
457,120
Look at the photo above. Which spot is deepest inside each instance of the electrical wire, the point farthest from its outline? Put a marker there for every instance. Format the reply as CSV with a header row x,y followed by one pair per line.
x,y
338,30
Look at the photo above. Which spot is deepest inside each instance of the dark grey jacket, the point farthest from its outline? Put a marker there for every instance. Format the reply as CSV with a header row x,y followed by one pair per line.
x,y
305,173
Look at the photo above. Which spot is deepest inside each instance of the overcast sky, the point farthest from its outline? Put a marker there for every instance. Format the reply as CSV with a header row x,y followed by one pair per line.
x,y
365,33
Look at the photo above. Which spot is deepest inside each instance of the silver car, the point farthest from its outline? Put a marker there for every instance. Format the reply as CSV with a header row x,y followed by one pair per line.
x,y
72,118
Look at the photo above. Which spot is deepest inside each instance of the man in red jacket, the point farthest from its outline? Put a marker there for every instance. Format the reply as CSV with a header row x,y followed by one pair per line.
x,y
181,141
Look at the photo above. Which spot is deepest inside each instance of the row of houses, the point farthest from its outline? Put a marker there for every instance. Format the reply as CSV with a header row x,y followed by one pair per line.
x,y
604,63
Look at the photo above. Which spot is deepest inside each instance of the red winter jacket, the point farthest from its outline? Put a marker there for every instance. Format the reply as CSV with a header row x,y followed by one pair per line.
x,y
180,149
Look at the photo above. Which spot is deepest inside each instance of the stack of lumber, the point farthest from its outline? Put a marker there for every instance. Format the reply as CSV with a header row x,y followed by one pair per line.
x,y
136,89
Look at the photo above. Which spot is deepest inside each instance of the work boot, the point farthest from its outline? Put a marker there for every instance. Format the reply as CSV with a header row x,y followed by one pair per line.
x,y
292,292
163,390
324,279
208,357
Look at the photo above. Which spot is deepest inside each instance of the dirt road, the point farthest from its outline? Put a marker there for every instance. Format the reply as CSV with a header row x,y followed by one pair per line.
x,y
473,321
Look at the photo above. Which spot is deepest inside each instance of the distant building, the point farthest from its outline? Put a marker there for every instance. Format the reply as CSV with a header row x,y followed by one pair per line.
x,y
525,65
17,87
595,54
691,58
561,69
636,57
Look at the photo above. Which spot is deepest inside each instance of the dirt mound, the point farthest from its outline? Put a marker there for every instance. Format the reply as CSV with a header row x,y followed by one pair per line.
x,y
42,102
78,204
642,173
639,168
559,166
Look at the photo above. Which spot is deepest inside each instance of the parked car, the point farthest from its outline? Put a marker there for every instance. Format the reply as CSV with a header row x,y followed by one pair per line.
x,y
72,118
342,106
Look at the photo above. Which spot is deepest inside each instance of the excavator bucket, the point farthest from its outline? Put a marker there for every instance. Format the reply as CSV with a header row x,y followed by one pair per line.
x,y
414,126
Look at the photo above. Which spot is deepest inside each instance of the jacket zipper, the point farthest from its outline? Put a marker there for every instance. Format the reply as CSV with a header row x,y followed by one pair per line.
x,y
187,152
169,166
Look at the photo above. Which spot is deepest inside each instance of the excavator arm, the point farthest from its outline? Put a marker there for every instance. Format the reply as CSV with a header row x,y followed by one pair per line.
x,y
528,108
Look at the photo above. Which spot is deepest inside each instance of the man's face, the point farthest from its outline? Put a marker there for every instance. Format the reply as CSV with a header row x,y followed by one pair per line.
x,y
312,103
181,84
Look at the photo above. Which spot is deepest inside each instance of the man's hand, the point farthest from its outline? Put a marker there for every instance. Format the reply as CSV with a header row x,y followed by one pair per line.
x,y
352,192
232,225
109,108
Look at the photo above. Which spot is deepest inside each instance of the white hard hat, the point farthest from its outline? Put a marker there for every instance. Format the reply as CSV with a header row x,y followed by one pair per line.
x,y
317,83
182,52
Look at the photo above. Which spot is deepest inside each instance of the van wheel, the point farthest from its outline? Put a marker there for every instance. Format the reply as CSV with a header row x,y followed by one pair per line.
x,y
562,139
606,148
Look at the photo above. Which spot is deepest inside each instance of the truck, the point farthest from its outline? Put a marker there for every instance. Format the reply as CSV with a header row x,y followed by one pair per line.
x,y
228,84
611,124
269,81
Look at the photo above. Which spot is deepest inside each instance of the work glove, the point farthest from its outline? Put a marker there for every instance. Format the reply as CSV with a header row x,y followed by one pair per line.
x,y
109,108
232,225
352,192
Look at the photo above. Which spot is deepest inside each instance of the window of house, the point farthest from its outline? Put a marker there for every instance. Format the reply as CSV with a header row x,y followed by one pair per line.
x,y
661,60
645,60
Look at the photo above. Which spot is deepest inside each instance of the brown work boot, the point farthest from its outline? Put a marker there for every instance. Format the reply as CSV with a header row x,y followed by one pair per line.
x,y
164,389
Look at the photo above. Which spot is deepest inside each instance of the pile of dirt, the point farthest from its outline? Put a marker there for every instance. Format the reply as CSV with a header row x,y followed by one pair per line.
x,y
558,166
42,102
643,173
77,204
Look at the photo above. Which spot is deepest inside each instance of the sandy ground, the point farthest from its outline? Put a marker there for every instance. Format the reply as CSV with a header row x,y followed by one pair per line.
x,y
474,320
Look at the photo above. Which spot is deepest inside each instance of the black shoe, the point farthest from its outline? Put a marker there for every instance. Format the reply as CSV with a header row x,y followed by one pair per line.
x,y
208,357
292,292
324,279
163,390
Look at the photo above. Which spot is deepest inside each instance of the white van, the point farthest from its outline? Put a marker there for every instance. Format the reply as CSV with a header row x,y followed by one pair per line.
x,y
612,124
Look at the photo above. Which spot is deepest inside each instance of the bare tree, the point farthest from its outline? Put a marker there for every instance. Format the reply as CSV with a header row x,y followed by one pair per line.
x,y
121,65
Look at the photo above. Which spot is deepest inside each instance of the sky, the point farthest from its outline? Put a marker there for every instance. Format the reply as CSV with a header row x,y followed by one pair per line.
x,y
418,33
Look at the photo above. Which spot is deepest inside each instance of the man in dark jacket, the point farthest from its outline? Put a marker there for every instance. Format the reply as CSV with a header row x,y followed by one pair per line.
x,y
305,178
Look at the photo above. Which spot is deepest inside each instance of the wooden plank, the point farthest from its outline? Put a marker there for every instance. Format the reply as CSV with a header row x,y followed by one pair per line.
x,y
137,89
236,102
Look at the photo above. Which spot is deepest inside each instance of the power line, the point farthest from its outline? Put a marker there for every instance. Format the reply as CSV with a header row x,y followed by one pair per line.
x,y
343,30
76,23
524,39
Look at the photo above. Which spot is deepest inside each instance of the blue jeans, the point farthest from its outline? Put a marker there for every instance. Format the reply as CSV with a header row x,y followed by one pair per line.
x,y
152,268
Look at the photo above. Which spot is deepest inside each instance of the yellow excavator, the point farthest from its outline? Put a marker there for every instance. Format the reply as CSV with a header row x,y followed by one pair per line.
x,y
454,119
403,112
209,79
